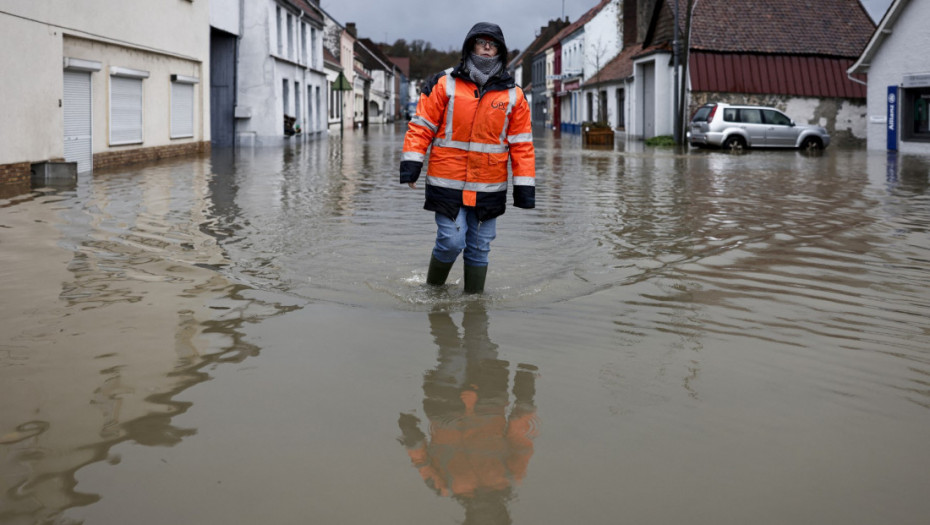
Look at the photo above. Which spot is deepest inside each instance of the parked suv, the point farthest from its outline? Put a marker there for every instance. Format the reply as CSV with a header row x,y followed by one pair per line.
x,y
738,127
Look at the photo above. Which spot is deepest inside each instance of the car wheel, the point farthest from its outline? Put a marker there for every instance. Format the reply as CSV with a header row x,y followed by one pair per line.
x,y
812,144
735,144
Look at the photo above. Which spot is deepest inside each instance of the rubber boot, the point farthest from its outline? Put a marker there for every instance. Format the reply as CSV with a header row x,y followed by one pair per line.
x,y
474,278
438,271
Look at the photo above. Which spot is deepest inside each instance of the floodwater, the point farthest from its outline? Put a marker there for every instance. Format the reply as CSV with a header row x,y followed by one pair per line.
x,y
696,338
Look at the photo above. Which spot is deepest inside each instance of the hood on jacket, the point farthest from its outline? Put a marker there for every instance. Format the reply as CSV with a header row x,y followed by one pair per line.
x,y
489,29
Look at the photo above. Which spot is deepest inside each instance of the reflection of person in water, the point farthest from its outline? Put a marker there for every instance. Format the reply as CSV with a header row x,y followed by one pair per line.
x,y
476,452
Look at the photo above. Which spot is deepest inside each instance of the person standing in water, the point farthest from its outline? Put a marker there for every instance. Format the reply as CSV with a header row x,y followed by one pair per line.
x,y
473,118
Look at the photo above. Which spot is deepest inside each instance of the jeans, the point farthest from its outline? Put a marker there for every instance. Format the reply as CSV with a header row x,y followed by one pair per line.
x,y
465,233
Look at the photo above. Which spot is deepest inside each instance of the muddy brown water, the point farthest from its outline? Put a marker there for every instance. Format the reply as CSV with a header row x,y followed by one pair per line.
x,y
669,337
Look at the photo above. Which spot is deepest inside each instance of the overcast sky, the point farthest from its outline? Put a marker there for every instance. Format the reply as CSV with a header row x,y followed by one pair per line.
x,y
444,23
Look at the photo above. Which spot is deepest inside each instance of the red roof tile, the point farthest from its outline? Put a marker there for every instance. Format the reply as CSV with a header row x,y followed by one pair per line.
x,y
839,28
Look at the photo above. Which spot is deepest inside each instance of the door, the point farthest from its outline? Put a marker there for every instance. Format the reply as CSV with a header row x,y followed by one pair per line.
x,y
780,131
222,88
751,122
78,120
649,97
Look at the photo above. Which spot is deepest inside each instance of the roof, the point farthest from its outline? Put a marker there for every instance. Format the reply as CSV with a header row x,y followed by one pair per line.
x,y
311,11
546,32
619,68
403,64
878,37
582,20
360,73
838,28
330,58
804,76
379,59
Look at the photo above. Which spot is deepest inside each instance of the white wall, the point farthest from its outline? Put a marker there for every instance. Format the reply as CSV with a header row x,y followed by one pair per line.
x,y
573,58
603,39
263,69
904,52
156,91
139,34
224,15
662,98
33,125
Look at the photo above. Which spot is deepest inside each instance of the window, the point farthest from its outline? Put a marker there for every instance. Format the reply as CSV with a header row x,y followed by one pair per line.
x,y
280,32
750,116
776,118
915,114
182,106
313,62
285,96
621,102
290,37
332,101
126,105
297,101
303,43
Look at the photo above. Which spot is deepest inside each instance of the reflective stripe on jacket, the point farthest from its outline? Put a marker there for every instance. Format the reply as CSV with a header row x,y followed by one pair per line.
x,y
470,136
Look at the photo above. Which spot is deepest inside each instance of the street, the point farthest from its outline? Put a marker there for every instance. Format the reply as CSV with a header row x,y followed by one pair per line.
x,y
669,337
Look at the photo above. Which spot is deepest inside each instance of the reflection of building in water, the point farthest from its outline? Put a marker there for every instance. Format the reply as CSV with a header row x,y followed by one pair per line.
x,y
115,318
476,452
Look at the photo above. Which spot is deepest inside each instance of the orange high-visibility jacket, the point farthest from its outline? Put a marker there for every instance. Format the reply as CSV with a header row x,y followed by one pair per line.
x,y
470,135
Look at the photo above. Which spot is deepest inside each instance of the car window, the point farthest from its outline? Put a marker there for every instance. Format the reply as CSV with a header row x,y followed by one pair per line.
x,y
701,114
776,117
730,115
750,116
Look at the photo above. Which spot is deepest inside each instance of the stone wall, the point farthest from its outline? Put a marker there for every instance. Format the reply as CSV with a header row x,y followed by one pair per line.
x,y
109,159
845,119
15,179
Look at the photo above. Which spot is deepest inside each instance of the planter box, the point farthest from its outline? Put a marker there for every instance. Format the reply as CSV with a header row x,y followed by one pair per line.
x,y
597,137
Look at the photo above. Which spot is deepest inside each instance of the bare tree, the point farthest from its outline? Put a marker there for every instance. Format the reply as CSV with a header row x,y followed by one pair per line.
x,y
598,59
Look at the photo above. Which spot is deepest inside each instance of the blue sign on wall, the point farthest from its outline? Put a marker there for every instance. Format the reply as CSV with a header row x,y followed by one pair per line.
x,y
892,118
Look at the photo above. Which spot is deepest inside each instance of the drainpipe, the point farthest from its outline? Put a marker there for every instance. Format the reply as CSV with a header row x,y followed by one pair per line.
x,y
849,76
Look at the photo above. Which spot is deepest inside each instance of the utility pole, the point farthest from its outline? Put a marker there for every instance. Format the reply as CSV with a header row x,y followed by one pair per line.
x,y
676,134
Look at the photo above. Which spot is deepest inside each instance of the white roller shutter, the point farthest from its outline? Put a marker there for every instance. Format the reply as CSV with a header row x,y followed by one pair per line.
x,y
125,110
182,110
78,119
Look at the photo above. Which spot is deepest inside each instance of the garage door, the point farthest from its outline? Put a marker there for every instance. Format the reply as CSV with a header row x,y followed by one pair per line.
x,y
77,113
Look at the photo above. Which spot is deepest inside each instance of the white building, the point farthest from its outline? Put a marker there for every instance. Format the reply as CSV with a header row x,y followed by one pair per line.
x,y
602,42
102,83
572,75
340,42
898,69
381,95
282,82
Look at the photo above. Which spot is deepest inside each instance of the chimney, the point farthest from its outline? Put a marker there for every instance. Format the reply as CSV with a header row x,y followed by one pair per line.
x,y
350,27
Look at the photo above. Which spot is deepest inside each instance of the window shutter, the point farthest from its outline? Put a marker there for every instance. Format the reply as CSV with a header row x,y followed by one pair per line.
x,y
78,119
182,110
125,110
